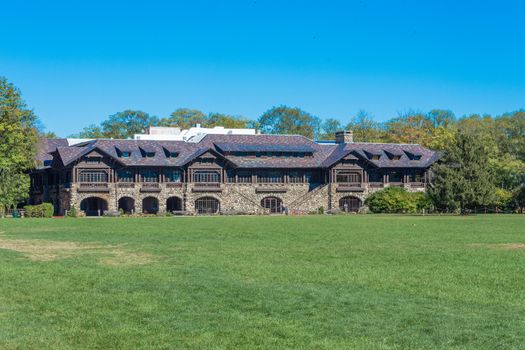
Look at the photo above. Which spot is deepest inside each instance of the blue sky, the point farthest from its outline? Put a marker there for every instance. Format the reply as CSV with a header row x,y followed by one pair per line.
x,y
78,62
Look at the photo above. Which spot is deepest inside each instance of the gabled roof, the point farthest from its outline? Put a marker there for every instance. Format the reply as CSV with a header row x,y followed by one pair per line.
x,y
44,149
288,151
383,149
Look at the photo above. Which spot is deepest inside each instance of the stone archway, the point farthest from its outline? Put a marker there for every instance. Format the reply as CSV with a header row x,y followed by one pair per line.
x,y
173,204
127,205
274,205
207,205
94,206
350,204
150,205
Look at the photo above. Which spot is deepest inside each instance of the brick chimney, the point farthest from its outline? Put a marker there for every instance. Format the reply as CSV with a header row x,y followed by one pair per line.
x,y
344,137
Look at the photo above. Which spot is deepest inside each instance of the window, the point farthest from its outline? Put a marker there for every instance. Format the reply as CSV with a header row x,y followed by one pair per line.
x,y
348,177
417,176
395,176
125,175
93,176
273,204
93,160
173,155
126,154
149,176
206,176
149,154
207,205
173,175
396,157
312,176
376,156
375,176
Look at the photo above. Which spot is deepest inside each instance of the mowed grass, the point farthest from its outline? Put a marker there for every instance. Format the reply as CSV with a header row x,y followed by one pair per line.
x,y
342,282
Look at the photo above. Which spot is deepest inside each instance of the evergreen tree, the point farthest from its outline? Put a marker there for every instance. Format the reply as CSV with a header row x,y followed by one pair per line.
x,y
463,179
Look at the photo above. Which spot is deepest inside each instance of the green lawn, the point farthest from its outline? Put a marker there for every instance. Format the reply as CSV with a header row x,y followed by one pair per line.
x,y
263,282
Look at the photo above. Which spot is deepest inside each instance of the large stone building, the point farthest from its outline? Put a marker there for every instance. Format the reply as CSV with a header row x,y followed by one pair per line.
x,y
223,174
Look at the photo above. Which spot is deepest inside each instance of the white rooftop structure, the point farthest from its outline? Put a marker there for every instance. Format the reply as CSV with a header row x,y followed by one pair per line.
x,y
194,134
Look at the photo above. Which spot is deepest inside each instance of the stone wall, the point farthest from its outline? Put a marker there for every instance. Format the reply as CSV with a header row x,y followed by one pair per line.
x,y
233,197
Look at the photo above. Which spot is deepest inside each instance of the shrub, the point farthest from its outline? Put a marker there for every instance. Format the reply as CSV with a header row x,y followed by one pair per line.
x,y
396,200
44,210
503,199
72,212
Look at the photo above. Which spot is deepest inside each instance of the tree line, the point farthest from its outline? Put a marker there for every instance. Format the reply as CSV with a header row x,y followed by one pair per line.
x,y
482,162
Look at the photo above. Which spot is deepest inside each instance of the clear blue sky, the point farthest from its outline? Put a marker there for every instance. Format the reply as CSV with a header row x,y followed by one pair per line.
x,y
78,62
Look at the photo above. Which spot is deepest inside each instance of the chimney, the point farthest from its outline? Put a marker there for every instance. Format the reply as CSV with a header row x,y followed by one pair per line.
x,y
344,137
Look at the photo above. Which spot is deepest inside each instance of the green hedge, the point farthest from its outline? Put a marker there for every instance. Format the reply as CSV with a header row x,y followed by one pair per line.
x,y
398,200
44,210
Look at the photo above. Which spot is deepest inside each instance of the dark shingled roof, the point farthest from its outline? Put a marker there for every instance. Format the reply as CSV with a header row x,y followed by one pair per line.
x,y
322,155
47,146
250,147
361,149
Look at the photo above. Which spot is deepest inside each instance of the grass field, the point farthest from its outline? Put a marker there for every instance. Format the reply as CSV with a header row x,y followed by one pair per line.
x,y
263,282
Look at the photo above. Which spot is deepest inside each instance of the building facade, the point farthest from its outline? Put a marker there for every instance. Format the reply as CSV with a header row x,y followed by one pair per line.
x,y
229,174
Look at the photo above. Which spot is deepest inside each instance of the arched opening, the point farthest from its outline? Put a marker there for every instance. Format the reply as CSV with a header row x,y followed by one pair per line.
x,y
207,205
93,206
273,204
350,204
150,205
126,204
173,204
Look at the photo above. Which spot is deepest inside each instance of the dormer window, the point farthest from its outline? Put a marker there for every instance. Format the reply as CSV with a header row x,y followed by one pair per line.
x,y
170,153
147,151
396,157
123,152
413,156
93,160
376,156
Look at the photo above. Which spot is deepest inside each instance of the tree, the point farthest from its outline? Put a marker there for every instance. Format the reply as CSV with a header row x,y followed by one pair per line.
x,y
519,198
18,137
365,129
412,127
125,124
287,120
510,134
121,125
228,121
463,178
185,118
329,127
90,132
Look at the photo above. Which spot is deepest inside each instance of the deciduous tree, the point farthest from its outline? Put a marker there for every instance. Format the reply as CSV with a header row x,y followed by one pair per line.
x,y
287,120
18,137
